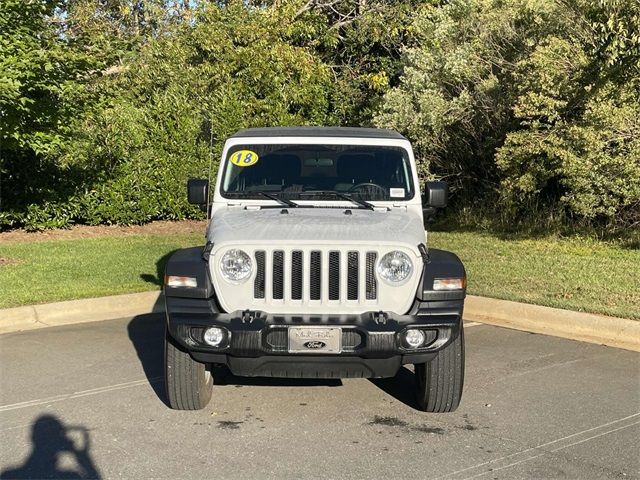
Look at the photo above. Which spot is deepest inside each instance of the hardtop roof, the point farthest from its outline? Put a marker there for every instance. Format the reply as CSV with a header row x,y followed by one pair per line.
x,y
319,132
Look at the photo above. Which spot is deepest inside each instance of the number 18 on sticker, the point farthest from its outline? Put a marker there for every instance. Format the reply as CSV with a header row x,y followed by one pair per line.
x,y
244,158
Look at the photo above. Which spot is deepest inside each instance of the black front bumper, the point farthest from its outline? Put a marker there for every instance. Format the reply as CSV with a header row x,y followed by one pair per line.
x,y
257,342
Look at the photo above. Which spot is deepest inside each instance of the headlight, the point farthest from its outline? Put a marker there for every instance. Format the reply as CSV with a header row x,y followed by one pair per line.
x,y
235,265
395,267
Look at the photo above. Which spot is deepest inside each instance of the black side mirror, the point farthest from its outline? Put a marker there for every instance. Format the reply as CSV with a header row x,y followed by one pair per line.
x,y
198,191
436,194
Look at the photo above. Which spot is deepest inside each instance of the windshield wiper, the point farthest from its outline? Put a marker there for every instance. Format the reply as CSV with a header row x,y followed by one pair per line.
x,y
281,201
344,196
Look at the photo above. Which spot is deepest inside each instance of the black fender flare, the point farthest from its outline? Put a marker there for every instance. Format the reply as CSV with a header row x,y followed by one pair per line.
x,y
190,262
440,264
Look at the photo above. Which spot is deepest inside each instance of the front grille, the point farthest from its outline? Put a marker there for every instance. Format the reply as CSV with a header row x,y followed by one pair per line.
x,y
278,275
316,273
372,283
296,275
334,275
304,276
258,285
352,276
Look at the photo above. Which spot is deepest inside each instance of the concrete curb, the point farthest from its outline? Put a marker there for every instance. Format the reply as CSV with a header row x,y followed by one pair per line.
x,y
79,311
586,327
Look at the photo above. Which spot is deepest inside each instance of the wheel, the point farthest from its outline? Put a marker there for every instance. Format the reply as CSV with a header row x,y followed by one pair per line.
x,y
188,383
440,381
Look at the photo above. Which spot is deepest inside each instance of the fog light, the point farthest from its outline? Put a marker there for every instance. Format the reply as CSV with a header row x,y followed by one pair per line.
x,y
214,336
414,338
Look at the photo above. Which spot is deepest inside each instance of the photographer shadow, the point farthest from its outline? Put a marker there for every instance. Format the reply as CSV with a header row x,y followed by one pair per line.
x,y
51,440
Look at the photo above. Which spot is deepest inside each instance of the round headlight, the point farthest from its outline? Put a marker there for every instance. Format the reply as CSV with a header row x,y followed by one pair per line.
x,y
395,267
235,265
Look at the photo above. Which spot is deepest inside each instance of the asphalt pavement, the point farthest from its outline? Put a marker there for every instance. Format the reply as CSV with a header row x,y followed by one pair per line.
x,y
87,400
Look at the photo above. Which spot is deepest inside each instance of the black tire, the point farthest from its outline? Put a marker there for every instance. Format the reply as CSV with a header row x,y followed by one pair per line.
x,y
188,383
440,381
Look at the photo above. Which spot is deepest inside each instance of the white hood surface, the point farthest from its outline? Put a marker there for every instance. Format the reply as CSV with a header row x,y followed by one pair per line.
x,y
238,225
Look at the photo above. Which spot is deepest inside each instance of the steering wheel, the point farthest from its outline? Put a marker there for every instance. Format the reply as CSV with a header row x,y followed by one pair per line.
x,y
382,190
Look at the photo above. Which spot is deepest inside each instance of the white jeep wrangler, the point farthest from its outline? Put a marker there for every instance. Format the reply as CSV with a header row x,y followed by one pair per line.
x,y
315,266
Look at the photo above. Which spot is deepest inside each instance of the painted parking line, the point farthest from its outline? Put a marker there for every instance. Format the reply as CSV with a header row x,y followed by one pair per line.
x,y
531,453
83,393
492,470
109,388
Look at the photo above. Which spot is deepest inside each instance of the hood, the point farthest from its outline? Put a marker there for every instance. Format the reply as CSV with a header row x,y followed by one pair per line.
x,y
316,225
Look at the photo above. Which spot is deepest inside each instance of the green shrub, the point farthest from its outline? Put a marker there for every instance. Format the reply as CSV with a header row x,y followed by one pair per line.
x,y
164,115
528,108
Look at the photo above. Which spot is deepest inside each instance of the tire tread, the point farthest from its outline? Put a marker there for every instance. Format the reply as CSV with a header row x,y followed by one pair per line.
x,y
188,387
441,380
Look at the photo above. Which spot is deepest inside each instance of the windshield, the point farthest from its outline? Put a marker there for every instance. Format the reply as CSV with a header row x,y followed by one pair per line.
x,y
295,171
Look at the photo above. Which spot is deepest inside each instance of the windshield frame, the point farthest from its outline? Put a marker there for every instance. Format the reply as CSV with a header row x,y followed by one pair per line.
x,y
412,197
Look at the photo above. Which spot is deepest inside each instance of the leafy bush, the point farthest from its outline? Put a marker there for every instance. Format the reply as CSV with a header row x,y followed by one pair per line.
x,y
42,88
531,103
165,114
529,108
454,97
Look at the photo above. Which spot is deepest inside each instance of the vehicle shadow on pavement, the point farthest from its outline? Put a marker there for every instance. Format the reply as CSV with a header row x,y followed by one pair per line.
x,y
402,387
222,376
51,440
146,333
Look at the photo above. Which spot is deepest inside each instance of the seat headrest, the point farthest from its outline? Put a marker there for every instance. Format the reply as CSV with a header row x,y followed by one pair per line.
x,y
355,167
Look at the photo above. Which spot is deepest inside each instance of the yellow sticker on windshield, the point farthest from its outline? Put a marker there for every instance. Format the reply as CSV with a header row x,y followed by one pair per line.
x,y
244,158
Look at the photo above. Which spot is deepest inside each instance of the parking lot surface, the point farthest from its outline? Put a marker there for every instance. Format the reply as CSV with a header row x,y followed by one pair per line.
x,y
87,401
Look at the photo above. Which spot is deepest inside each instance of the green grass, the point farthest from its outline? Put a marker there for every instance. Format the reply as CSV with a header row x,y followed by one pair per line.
x,y
55,270
575,274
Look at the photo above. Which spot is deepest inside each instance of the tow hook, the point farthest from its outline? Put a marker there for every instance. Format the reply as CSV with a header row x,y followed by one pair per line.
x,y
380,318
248,316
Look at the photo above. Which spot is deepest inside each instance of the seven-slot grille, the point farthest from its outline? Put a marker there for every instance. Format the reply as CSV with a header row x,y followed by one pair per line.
x,y
315,275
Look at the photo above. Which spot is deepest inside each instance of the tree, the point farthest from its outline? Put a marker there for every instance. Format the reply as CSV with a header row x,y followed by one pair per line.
x,y
576,147
530,103
172,105
42,74
361,43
